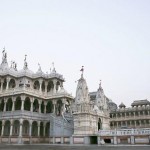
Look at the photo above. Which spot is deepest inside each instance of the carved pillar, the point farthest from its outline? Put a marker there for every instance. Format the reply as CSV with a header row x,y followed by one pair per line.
x,y
46,87
38,128
2,85
22,104
7,85
11,127
117,124
54,82
20,130
135,123
54,106
30,128
45,104
40,102
3,124
40,81
13,104
44,126
31,107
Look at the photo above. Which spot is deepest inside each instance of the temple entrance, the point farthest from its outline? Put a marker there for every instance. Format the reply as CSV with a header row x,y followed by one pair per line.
x,y
93,139
107,140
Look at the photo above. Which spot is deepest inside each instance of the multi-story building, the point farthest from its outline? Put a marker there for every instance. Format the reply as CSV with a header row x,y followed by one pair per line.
x,y
136,116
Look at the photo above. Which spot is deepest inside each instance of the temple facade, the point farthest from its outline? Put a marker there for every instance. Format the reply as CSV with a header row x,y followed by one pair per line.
x,y
35,107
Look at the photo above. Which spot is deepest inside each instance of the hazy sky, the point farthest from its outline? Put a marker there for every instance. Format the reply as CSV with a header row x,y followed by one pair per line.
x,y
111,38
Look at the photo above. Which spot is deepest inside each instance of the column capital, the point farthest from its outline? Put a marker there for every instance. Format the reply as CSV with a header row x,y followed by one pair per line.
x,y
54,102
39,101
23,97
45,102
21,121
40,81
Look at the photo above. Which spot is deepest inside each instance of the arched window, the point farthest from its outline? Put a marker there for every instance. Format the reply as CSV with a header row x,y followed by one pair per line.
x,y
12,83
7,128
18,103
27,104
25,127
9,105
35,106
47,129
34,128
99,124
49,107
50,86
16,127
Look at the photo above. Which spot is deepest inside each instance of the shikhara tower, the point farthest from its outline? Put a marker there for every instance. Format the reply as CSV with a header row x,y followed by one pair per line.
x,y
89,116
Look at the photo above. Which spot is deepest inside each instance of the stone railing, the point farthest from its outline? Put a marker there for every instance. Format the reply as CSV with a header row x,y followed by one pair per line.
x,y
23,113
121,132
34,92
128,118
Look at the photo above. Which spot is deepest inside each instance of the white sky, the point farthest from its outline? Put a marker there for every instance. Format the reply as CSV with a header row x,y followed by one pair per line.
x,y
109,37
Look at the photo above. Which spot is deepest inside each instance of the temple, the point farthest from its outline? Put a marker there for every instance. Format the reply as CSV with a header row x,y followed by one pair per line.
x,y
35,107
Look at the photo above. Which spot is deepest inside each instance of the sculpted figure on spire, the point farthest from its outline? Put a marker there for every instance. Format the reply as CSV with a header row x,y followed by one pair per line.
x,y
82,93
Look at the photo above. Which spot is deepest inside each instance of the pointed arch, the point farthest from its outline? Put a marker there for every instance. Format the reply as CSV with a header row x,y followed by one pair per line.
x,y
25,128
49,107
99,124
34,128
18,103
47,129
43,86
59,107
27,104
35,106
7,128
50,86
4,84
2,105
16,127
9,105
41,129
42,107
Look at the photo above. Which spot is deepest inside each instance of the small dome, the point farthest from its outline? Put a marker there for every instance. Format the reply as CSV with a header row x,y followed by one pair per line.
x,y
122,105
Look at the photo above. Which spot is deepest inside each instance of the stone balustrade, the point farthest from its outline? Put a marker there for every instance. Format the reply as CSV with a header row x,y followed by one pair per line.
x,y
121,132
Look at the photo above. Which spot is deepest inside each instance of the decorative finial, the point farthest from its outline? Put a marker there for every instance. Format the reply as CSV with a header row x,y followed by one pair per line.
x,y
25,58
82,70
39,67
53,71
53,64
100,83
25,63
